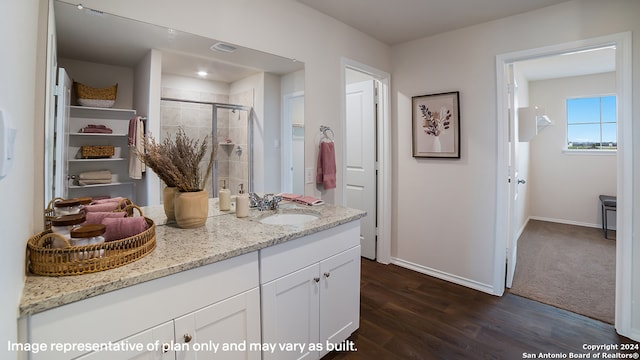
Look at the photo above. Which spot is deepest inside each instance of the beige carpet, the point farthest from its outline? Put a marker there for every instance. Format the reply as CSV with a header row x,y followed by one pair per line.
x,y
567,266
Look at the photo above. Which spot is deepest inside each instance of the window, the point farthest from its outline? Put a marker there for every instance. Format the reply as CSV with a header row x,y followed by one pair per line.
x,y
591,123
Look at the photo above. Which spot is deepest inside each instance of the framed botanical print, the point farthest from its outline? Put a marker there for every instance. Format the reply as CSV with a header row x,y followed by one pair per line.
x,y
436,125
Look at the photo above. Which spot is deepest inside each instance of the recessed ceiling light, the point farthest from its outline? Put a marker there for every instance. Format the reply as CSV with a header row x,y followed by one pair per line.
x,y
220,46
202,73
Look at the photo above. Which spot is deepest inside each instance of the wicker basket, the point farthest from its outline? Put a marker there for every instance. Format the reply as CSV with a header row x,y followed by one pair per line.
x,y
46,260
97,151
98,97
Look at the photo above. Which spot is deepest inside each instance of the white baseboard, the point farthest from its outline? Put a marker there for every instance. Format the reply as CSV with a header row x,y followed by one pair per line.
x,y
444,276
521,230
568,222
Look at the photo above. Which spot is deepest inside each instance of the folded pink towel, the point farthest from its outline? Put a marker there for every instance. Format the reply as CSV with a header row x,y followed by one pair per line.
x,y
98,216
96,129
107,200
103,207
309,200
326,169
120,228
290,196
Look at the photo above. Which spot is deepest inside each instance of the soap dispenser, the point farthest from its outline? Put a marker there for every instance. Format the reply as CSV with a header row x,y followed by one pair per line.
x,y
242,203
224,197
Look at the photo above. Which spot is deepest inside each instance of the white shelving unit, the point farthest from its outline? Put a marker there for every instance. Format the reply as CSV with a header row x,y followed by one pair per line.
x,y
118,121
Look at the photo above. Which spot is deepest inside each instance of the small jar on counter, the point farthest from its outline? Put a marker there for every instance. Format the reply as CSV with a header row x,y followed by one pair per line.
x,y
64,224
67,207
88,235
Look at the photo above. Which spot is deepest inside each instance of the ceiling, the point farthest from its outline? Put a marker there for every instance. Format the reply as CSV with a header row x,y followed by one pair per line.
x,y
397,21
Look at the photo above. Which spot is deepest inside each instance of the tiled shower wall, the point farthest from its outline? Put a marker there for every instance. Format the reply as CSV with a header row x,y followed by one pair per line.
x,y
197,119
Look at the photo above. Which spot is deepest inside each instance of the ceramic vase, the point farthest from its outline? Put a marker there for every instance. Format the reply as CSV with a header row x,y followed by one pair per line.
x,y
437,147
168,195
191,208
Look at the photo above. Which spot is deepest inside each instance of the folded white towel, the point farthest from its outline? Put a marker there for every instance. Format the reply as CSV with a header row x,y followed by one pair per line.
x,y
95,175
93,182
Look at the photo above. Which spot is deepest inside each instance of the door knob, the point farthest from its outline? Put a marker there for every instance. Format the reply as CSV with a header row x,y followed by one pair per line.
x,y
522,181
187,338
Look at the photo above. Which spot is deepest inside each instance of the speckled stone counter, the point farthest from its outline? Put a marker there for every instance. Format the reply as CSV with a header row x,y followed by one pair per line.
x,y
222,237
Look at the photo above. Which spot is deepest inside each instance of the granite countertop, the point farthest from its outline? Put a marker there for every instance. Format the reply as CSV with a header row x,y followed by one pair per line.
x,y
222,237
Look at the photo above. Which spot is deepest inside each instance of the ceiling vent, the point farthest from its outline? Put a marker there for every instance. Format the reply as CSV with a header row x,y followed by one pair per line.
x,y
220,46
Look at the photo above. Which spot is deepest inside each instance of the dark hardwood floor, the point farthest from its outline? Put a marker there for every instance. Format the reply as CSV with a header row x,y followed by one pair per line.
x,y
408,315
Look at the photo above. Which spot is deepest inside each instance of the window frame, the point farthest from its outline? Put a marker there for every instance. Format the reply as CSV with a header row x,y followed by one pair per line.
x,y
599,151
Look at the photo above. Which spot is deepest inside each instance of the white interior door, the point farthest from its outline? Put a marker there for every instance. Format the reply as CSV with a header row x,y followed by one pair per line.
x,y
63,101
512,245
361,159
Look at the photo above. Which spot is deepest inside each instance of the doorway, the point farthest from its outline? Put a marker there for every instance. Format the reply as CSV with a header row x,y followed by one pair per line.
x,y
505,239
368,172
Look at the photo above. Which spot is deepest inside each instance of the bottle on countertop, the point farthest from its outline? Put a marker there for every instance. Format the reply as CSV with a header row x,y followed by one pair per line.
x,y
242,203
224,197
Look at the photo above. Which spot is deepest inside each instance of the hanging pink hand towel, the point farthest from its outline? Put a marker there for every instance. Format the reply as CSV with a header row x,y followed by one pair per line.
x,y
326,172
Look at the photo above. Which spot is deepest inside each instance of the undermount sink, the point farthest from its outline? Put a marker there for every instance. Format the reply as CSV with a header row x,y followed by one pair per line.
x,y
289,218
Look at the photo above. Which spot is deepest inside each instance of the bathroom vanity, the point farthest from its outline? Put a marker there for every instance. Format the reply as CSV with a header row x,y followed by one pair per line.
x,y
237,288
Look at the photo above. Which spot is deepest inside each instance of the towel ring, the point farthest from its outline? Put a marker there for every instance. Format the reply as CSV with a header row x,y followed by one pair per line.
x,y
324,130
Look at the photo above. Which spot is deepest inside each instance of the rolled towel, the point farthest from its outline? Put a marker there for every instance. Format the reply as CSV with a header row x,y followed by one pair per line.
x,y
97,216
104,207
95,175
120,228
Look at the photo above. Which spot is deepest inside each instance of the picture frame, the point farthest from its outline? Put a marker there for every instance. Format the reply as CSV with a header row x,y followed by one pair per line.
x,y
436,125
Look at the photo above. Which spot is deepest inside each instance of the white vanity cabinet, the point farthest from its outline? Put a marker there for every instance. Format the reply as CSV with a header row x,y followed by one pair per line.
x,y
213,304
311,292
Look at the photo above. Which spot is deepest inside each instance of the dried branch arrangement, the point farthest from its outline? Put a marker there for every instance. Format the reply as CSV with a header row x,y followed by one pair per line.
x,y
177,162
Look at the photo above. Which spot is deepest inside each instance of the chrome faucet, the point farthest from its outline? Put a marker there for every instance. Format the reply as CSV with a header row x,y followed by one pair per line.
x,y
267,202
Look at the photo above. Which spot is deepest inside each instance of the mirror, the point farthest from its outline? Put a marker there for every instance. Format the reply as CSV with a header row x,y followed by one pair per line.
x,y
248,100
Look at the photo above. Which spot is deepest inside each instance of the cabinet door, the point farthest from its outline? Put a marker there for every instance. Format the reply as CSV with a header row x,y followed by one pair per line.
x,y
290,312
152,344
339,296
224,330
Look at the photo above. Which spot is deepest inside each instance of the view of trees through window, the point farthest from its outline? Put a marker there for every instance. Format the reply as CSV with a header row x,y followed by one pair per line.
x,y
591,123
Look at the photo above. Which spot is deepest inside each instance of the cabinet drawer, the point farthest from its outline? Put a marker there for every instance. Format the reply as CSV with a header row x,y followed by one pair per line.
x,y
285,258
118,314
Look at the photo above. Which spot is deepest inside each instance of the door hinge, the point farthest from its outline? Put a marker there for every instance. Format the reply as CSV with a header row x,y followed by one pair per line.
x,y
56,90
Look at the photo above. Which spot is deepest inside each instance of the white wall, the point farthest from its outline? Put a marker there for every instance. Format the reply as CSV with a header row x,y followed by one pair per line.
x,y
565,187
22,74
444,210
